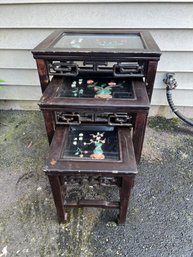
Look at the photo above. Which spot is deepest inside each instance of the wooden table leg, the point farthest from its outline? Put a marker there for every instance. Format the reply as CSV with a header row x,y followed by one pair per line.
x,y
126,186
49,123
58,195
138,134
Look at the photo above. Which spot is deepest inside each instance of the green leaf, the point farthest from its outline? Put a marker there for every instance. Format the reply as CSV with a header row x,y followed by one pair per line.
x,y
1,81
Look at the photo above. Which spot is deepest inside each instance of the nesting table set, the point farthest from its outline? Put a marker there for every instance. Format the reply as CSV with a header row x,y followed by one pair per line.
x,y
96,92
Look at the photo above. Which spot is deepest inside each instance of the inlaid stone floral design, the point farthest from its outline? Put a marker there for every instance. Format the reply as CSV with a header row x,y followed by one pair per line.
x,y
102,88
98,141
95,145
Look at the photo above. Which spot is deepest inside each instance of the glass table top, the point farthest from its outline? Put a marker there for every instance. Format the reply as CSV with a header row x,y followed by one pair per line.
x,y
101,88
92,142
99,41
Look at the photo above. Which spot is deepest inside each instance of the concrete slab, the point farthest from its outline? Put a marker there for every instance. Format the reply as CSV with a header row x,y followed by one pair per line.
x,y
160,217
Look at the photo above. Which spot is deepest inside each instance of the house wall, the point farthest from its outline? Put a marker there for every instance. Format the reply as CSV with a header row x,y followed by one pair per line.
x,y
24,24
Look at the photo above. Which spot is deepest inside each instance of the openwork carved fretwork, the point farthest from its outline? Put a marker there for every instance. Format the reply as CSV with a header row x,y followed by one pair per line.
x,y
112,119
118,69
92,180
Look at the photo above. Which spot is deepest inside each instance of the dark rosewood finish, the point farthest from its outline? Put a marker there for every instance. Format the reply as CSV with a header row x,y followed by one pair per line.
x,y
43,73
58,167
118,69
148,55
137,108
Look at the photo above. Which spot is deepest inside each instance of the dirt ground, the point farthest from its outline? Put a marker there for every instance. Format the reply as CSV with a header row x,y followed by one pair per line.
x,y
160,216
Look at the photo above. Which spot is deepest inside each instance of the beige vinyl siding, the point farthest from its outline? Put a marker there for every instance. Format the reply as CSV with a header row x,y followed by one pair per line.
x,y
89,1
123,15
24,24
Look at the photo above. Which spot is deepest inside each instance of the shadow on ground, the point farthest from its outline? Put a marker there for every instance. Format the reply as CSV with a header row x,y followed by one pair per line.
x,y
160,217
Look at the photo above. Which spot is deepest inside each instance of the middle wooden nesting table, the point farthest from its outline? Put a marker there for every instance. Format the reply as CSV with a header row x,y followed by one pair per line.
x,y
61,107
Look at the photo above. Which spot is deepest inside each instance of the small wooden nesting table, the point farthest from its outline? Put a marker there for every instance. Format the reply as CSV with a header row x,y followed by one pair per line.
x,y
117,165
